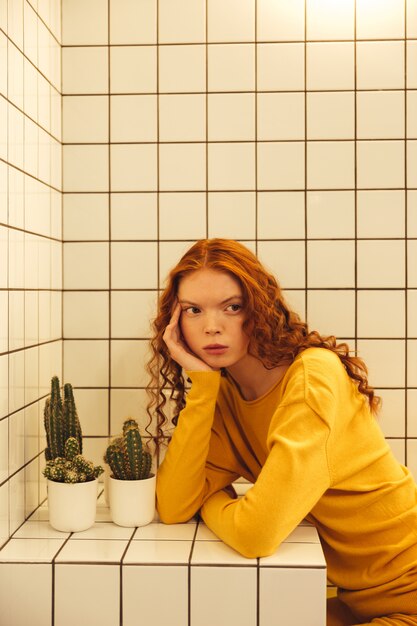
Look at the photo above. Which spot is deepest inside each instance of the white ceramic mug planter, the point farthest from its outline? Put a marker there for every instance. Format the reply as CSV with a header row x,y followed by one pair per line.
x,y
72,506
132,502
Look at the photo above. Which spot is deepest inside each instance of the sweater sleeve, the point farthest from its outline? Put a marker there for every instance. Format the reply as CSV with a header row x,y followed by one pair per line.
x,y
292,480
186,477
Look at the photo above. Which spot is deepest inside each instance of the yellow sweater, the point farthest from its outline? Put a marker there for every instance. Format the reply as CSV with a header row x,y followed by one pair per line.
x,y
312,449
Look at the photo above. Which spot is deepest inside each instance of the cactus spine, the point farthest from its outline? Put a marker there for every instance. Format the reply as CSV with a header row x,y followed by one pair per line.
x,y
72,467
60,420
65,463
125,455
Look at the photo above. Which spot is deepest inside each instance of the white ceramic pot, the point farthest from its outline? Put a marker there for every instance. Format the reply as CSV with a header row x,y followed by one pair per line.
x,y
132,502
72,506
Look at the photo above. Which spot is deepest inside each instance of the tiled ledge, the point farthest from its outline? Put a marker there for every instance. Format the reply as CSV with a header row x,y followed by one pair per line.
x,y
178,574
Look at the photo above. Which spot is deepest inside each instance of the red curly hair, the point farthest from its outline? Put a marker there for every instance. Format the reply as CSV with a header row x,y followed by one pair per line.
x,y
277,333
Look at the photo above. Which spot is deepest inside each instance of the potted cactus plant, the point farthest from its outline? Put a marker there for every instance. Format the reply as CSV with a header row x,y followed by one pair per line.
x,y
71,479
131,482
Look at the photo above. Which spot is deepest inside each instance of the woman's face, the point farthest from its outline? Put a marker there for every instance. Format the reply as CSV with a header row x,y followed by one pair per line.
x,y
212,317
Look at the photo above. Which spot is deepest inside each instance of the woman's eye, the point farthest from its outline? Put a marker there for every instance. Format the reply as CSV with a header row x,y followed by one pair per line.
x,y
192,310
235,307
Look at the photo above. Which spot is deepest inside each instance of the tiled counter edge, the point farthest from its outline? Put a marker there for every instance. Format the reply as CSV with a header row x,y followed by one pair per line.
x,y
179,574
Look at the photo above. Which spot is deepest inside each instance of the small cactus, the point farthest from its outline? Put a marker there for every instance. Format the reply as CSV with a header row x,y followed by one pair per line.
x,y
73,467
125,454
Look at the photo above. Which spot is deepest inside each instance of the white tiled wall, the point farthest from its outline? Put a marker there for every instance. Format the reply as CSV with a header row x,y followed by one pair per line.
x,y
291,126
30,244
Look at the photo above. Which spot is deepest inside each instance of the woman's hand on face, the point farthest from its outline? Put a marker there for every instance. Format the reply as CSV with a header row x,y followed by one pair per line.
x,y
177,347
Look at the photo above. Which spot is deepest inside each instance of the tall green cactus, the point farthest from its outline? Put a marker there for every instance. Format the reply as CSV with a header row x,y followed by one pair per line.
x,y
125,455
60,420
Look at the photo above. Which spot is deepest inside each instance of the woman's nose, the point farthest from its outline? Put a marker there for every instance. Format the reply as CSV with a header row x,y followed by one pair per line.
x,y
212,325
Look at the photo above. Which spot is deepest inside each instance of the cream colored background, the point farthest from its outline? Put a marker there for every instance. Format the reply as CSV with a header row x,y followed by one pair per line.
x,y
178,120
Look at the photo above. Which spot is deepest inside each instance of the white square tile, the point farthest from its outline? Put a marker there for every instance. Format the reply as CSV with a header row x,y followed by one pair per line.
x,y
182,117
328,20
231,67
92,406
332,312
330,66
280,116
231,21
384,372
182,68
86,314
15,130
223,595
15,75
380,65
231,166
280,165
142,256
296,300
411,114
30,77
85,70
95,594
182,216
133,216
16,259
180,21
133,69
330,214
104,530
92,550
128,360
4,106
86,168
231,117
130,402
158,531
330,164
331,264
412,412
218,553
86,266
381,263
303,534
141,595
16,603
182,166
222,211
86,216
381,313
84,23
85,119
4,449
39,530
3,187
133,118
281,215
4,321
380,164
31,374
31,432
381,213
374,23
16,380
380,114
86,363
280,66
31,486
31,550
133,167
296,554
205,534
279,21
411,64
411,18
132,22
330,115
16,320
412,313
131,313
16,441
392,415
4,513
280,601
285,259
412,362
411,163
154,551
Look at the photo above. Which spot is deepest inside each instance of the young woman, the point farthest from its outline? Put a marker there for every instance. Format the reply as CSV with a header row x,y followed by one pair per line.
x,y
290,411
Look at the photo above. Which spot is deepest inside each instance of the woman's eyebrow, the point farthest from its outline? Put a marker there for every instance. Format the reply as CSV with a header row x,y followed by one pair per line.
x,y
237,297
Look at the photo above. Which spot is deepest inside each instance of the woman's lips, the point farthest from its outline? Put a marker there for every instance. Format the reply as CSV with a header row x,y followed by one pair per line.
x,y
215,349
